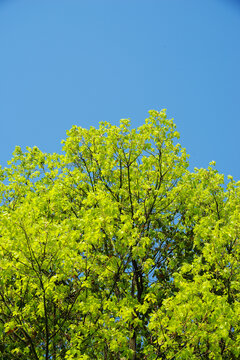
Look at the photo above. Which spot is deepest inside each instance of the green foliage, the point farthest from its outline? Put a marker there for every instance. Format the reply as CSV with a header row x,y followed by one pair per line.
x,y
115,250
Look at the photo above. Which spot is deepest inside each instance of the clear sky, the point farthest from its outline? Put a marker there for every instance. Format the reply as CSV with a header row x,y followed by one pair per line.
x,y
66,62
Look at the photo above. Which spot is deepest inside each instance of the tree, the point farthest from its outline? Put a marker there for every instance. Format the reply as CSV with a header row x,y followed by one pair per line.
x,y
115,250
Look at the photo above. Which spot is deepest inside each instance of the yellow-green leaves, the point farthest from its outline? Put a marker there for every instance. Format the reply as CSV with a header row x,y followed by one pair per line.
x,y
114,250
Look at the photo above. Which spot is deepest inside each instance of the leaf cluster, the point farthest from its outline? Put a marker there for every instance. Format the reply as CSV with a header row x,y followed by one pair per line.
x,y
115,250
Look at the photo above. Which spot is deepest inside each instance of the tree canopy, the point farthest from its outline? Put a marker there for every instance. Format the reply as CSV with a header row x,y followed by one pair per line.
x,y
114,249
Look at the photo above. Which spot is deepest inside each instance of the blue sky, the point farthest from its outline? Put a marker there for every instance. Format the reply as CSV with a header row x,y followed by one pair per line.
x,y
67,62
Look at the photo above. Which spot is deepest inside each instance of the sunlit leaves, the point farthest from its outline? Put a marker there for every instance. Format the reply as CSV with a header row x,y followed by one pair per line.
x,y
115,250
